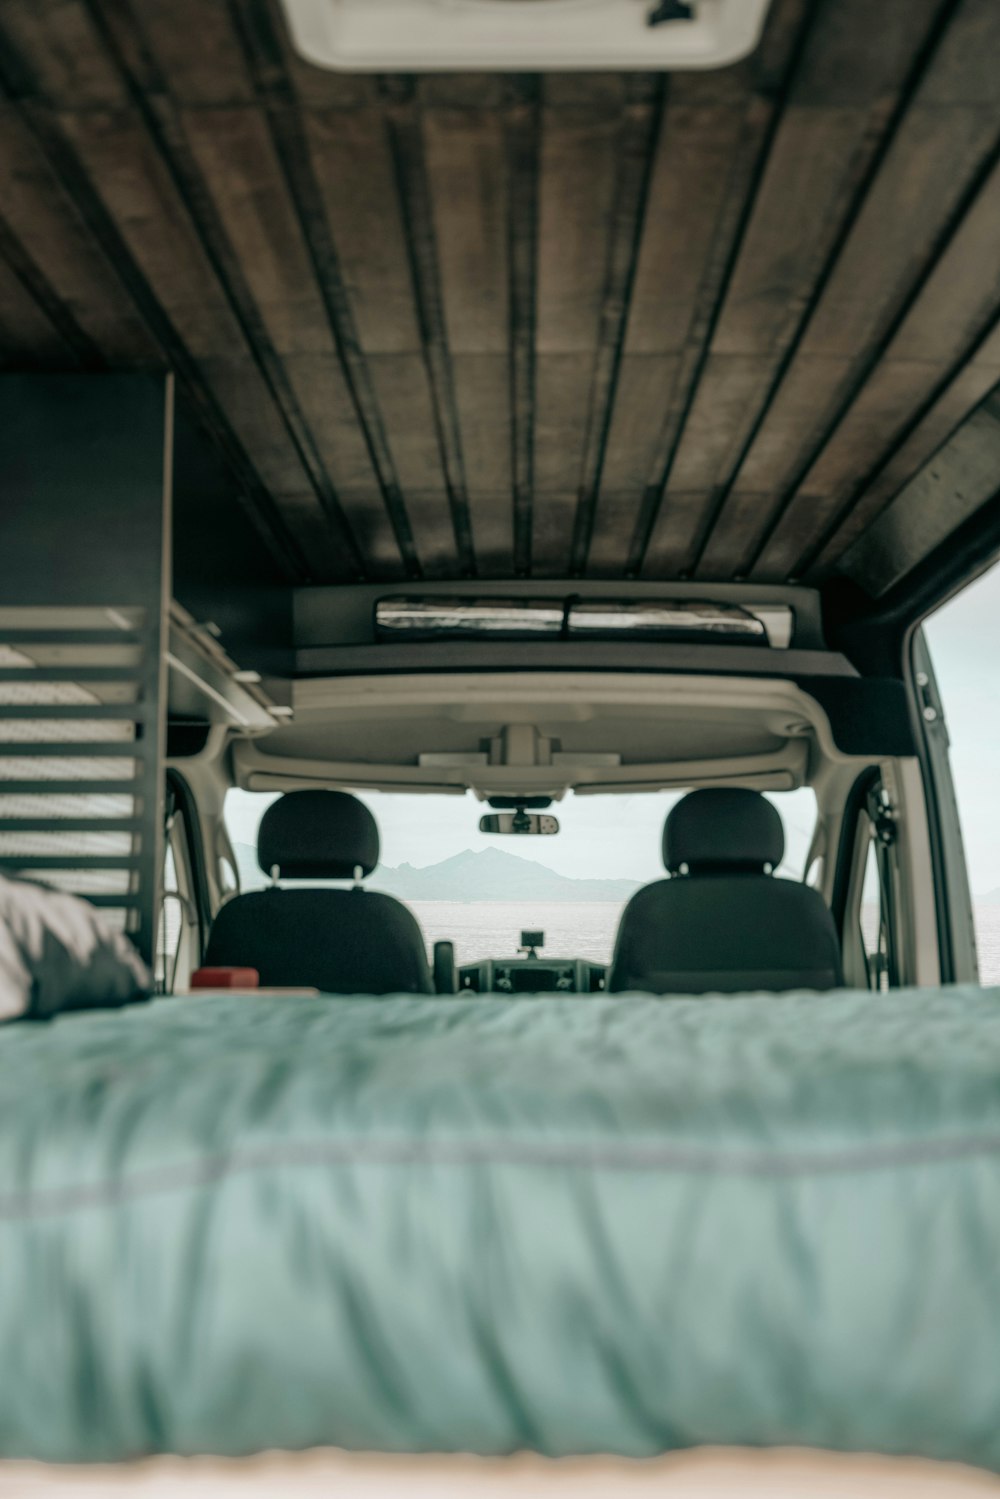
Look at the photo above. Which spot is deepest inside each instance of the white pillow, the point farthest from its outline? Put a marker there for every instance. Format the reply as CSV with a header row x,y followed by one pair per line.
x,y
57,953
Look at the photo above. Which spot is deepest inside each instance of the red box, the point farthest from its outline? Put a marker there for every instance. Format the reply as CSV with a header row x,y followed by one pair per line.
x,y
225,978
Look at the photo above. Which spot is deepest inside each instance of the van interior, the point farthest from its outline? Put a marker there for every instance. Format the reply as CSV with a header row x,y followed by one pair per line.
x,y
447,445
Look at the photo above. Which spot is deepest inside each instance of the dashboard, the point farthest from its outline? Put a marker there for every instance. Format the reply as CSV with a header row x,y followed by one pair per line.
x,y
532,976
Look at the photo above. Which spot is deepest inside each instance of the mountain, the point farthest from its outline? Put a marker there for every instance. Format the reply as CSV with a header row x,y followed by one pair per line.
x,y
492,875
991,898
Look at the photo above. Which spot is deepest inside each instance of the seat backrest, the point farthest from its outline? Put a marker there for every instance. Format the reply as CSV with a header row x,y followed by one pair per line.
x,y
340,941
722,923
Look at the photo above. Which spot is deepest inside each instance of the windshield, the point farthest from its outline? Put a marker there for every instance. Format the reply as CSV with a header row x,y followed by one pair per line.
x,y
481,891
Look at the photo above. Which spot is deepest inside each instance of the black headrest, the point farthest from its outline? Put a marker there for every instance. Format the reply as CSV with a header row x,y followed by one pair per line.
x,y
318,835
723,828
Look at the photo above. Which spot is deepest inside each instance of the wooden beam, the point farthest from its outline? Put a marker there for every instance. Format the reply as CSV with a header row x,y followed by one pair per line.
x,y
71,236
935,161
175,137
523,133
949,329
963,477
841,101
405,128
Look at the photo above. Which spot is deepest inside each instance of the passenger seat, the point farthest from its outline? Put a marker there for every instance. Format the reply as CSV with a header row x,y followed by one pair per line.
x,y
722,923
341,941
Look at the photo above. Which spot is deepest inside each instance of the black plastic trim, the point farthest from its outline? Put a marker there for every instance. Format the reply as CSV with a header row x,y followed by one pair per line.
x,y
181,799
857,802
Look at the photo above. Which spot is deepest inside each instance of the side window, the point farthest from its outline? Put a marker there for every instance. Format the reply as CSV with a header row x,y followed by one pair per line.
x,y
961,736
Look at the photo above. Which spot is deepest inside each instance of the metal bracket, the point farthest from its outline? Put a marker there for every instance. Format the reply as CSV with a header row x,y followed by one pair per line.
x,y
882,815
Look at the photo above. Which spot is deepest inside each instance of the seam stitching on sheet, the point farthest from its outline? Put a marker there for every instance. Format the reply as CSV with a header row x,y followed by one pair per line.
x,y
678,1159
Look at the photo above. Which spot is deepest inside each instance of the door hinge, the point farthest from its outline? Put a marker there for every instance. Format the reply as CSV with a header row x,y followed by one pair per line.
x,y
927,697
882,816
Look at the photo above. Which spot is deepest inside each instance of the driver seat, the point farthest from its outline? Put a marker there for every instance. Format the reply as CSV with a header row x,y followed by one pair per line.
x,y
722,923
339,941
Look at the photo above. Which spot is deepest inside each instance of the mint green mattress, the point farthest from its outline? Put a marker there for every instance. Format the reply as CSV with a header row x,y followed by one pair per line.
x,y
574,1225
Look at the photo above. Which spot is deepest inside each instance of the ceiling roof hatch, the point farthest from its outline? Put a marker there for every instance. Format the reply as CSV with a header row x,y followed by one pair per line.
x,y
523,35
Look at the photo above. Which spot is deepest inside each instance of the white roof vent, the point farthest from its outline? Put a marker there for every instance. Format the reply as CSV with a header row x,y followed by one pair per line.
x,y
524,35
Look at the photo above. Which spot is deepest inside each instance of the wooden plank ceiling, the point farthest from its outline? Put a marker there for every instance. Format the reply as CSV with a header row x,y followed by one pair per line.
x,y
742,324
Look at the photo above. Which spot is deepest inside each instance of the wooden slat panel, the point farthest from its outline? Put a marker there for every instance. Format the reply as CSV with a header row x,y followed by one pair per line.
x,y
318,382
476,91
651,530
681,260
637,137
959,397
562,391
482,391
467,168
468,174
413,309
642,396
235,153
964,476
433,536
321,391
553,534
352,161
176,135
416,198
493,533
522,134
51,234
940,147
642,392
576,200
353,164
839,105
136,189
256,421
317,88
750,503
699,133
267,54
577,196
197,49
404,398
28,338
87,245
716,129
65,53
811,170
145,203
960,299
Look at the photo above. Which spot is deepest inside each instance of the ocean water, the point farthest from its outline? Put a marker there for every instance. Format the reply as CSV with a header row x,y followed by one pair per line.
x,y
492,929
488,930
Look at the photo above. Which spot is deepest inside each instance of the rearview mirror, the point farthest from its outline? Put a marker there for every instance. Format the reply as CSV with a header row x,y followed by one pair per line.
x,y
521,824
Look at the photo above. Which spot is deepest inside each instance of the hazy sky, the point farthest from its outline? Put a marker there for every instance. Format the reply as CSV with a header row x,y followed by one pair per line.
x,y
965,644
600,837
605,837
